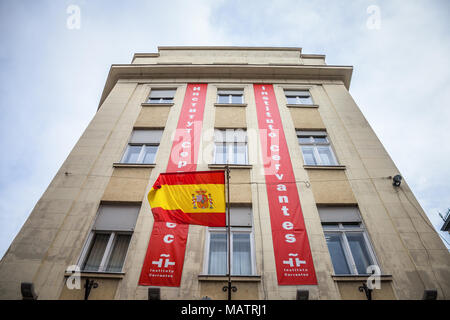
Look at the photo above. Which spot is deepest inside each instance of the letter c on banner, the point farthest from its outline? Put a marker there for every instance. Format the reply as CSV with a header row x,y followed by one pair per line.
x,y
168,238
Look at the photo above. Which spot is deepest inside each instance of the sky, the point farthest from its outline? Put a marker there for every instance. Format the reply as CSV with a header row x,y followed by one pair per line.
x,y
55,57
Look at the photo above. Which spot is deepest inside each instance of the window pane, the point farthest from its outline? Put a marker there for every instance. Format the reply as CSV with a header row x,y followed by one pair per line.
x,y
321,140
326,156
308,156
291,100
330,226
149,154
96,252
240,153
351,225
118,253
223,98
167,100
242,262
132,154
337,253
304,140
305,100
359,251
154,100
217,253
221,153
236,99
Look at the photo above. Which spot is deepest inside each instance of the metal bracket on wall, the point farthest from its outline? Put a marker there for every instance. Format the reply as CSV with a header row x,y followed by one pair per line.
x,y
366,290
230,289
88,286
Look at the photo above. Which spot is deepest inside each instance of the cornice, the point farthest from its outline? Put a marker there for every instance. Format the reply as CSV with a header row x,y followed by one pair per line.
x,y
198,71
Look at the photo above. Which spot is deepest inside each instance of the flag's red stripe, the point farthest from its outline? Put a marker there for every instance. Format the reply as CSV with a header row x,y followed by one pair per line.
x,y
211,219
199,177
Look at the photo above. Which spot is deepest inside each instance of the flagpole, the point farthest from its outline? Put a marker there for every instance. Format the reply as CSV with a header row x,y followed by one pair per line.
x,y
228,231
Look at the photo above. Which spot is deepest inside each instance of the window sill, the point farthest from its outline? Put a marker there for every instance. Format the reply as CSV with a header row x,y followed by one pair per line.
x,y
231,166
206,277
93,274
302,105
230,104
148,104
358,277
337,167
134,165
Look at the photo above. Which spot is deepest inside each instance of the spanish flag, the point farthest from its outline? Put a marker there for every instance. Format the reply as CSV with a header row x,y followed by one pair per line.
x,y
189,198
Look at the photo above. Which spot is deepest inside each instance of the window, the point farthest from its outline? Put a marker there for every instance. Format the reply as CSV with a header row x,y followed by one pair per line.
x,y
107,244
230,146
142,147
161,96
242,246
298,97
230,96
347,240
316,148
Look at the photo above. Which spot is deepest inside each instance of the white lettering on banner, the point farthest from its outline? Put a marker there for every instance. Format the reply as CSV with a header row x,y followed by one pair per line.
x,y
287,225
167,262
286,216
182,164
168,238
163,264
290,238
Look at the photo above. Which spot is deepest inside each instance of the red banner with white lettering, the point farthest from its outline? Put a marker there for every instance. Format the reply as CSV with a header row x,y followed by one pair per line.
x,y
293,257
164,260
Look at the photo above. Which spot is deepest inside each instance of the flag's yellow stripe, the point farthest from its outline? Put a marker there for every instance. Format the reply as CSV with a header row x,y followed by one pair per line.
x,y
179,197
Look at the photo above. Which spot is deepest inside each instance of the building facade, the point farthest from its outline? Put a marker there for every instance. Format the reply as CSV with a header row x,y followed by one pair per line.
x,y
261,110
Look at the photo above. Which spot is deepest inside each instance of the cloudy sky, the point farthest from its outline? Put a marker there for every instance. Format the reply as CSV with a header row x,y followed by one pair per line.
x,y
52,75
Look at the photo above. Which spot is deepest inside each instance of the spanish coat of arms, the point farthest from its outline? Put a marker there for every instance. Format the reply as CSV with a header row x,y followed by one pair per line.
x,y
202,200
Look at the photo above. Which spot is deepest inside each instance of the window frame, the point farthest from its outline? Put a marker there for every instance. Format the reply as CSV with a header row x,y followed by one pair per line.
x,y
230,148
230,96
342,231
172,98
142,146
142,152
102,268
315,147
234,230
298,97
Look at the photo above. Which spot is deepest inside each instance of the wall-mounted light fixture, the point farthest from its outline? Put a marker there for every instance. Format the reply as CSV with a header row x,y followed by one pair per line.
x,y
397,180
430,294
154,294
302,294
27,290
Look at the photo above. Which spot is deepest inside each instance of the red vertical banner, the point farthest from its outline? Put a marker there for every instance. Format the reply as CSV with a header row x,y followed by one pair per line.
x,y
293,257
164,260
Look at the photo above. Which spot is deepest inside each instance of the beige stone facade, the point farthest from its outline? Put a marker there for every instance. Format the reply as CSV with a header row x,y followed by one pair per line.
x,y
408,251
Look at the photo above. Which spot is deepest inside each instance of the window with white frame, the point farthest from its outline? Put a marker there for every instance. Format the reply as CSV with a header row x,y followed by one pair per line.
x,y
142,147
347,240
241,244
316,148
230,146
161,96
235,96
107,244
298,97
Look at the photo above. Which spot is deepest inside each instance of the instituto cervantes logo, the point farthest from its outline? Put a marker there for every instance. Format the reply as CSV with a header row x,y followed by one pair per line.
x,y
202,200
